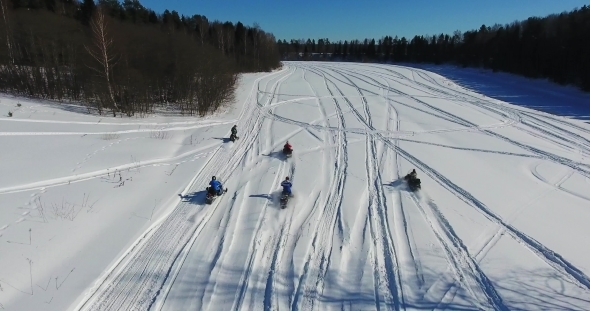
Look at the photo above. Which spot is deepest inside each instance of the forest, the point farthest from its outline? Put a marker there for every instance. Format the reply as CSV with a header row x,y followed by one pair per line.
x,y
121,58
555,47
124,59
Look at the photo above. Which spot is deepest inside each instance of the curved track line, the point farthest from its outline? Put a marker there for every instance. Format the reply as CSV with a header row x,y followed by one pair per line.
x,y
137,281
197,153
385,265
311,281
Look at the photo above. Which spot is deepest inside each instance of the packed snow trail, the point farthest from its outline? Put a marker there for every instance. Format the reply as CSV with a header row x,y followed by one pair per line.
x,y
138,279
354,237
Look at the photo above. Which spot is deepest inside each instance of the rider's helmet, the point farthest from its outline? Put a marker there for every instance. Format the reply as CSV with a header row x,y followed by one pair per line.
x,y
287,178
213,178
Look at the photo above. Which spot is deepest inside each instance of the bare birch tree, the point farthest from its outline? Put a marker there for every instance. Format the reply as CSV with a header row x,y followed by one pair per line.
x,y
8,44
102,51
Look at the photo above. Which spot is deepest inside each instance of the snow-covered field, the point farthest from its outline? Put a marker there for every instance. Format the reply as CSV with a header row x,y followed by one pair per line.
x,y
539,94
102,213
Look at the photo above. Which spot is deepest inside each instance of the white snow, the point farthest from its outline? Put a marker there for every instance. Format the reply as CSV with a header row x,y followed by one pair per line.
x,y
103,213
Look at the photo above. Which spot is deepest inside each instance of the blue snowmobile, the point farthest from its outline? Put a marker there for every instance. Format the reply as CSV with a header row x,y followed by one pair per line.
x,y
214,190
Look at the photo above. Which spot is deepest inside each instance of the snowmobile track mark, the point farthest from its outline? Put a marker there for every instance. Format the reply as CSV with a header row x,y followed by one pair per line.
x,y
319,255
465,267
160,252
550,257
379,226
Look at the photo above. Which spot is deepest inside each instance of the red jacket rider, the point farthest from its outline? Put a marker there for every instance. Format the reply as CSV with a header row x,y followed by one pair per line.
x,y
287,146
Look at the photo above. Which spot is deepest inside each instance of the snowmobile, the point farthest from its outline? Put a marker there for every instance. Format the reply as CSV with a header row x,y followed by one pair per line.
x,y
212,194
284,200
288,152
413,181
233,137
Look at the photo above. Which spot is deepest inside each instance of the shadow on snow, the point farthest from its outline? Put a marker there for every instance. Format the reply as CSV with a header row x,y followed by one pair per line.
x,y
197,197
276,154
224,139
542,289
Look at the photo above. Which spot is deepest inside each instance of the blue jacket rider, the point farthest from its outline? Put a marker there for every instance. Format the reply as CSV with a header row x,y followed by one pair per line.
x,y
216,185
286,184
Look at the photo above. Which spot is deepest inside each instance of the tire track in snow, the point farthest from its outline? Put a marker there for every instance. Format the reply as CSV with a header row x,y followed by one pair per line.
x,y
408,248
479,286
442,114
394,134
262,256
467,271
353,261
91,155
481,281
198,122
381,233
510,118
354,248
557,119
271,300
137,280
378,221
253,126
520,116
552,258
253,123
146,130
272,261
471,149
384,265
317,259
580,144
196,154
557,185
544,154
489,240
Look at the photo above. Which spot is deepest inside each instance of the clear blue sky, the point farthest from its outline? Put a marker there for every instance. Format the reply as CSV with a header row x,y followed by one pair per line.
x,y
359,19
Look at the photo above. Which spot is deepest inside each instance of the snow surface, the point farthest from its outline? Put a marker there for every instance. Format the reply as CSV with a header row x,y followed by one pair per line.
x,y
539,94
103,213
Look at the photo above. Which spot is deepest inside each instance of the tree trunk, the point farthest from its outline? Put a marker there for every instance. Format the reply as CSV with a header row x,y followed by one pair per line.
x,y
102,52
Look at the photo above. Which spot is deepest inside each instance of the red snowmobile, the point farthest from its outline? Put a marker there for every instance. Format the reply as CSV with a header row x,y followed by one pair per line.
x,y
288,150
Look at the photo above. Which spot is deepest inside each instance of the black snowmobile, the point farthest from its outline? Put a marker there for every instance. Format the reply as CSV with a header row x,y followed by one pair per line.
x,y
413,181
284,200
288,152
234,134
212,194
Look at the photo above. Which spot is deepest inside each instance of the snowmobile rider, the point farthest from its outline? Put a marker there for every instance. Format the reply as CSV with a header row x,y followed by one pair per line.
x,y
287,148
412,175
215,186
286,184
234,130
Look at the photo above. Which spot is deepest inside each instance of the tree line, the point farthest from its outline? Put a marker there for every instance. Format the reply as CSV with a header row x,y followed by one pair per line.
x,y
556,47
125,59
